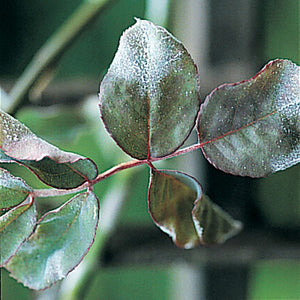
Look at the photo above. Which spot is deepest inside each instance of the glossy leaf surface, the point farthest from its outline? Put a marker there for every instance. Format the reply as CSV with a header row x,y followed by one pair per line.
x,y
149,97
213,225
13,190
252,128
59,242
53,166
15,226
171,201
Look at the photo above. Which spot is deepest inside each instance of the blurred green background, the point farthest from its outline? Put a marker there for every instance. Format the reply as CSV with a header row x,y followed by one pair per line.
x,y
230,41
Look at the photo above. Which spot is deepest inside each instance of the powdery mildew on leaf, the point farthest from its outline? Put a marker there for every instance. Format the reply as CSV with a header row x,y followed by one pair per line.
x,y
252,128
171,201
15,226
179,208
213,224
149,97
19,142
53,166
58,244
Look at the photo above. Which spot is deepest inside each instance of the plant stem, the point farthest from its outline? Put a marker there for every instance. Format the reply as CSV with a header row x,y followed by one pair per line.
x,y
122,166
60,192
53,49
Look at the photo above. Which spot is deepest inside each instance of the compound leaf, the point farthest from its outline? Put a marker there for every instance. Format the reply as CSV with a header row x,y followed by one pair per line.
x,y
15,226
149,97
53,166
13,190
252,128
61,239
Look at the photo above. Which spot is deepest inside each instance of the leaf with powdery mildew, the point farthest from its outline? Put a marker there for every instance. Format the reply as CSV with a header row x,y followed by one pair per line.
x,y
15,226
213,224
61,239
252,128
53,166
149,98
171,200
178,206
13,190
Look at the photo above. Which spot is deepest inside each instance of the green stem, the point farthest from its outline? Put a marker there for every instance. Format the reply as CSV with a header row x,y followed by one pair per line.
x,y
53,49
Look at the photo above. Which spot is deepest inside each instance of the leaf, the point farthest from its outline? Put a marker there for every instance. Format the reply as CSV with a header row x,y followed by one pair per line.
x,y
53,166
171,200
213,225
58,244
15,226
178,206
4,158
149,97
13,190
252,128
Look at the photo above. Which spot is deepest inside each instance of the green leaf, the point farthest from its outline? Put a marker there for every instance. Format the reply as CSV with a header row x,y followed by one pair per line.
x,y
61,239
13,190
213,225
171,201
15,226
252,128
53,166
179,208
149,98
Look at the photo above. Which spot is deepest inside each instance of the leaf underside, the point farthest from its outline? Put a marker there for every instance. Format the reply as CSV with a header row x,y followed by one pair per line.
x,y
53,166
170,205
58,244
149,97
214,225
179,208
252,128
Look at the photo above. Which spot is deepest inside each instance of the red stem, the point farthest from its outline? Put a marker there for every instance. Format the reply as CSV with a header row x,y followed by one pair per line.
x,y
110,172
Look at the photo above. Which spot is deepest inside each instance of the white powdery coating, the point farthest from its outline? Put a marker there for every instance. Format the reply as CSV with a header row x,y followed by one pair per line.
x,y
286,160
19,142
288,105
9,181
147,51
54,267
288,93
198,227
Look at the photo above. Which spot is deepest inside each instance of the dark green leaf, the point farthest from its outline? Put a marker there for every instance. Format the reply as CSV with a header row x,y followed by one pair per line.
x,y
171,201
252,128
58,244
15,226
213,225
62,175
53,166
149,97
13,190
